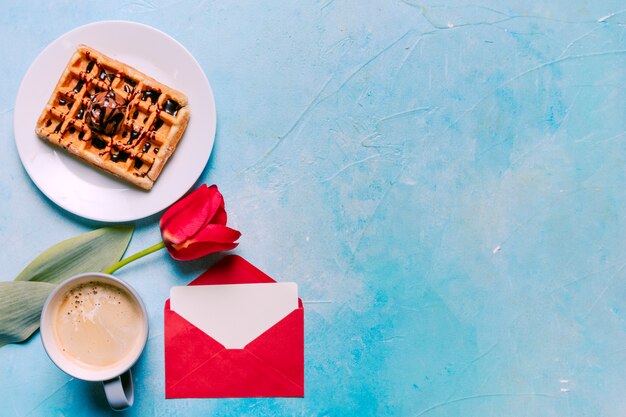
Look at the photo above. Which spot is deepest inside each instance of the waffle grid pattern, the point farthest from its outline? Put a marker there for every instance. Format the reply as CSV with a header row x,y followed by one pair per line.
x,y
155,118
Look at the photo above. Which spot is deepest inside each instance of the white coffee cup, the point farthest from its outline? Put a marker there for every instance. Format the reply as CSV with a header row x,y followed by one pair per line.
x,y
94,327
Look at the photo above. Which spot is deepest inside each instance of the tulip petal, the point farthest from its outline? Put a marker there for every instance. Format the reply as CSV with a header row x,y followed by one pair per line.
x,y
220,216
187,216
198,250
214,238
216,233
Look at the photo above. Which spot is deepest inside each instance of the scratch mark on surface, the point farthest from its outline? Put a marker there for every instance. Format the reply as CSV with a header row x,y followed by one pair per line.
x,y
534,150
308,108
3,112
536,213
610,15
482,355
475,397
563,59
139,6
496,249
450,25
382,199
50,396
408,113
372,214
472,6
369,61
491,147
370,145
586,277
569,108
529,71
421,11
509,17
578,39
597,300
585,138
328,3
317,99
392,339
524,73
339,43
408,55
350,165
300,118
604,290
366,144
489,9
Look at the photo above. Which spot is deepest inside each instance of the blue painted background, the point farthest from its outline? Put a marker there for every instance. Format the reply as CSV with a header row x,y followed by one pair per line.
x,y
445,180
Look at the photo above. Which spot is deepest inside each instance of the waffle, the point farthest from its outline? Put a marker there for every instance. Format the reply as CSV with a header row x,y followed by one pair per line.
x,y
138,138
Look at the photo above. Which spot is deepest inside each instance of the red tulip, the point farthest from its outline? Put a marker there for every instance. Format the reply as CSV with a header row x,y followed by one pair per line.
x,y
195,226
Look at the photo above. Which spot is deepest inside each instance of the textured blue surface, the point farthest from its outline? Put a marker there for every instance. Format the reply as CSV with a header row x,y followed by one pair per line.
x,y
443,179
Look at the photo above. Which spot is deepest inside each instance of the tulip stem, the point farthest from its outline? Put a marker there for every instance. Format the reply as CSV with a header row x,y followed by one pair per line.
x,y
125,261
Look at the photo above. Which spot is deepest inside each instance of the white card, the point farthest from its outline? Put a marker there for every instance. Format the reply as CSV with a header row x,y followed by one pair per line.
x,y
234,314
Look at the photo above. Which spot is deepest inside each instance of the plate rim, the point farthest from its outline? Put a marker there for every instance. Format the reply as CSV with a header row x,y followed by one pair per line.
x,y
120,218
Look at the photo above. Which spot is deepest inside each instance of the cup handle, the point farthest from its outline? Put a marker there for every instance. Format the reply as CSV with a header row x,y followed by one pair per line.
x,y
119,391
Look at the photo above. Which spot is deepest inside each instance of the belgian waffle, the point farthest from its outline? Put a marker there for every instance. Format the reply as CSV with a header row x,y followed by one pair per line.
x,y
152,117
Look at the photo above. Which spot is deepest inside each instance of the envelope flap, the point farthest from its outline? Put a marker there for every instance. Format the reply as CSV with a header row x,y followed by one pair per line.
x,y
282,346
232,269
184,340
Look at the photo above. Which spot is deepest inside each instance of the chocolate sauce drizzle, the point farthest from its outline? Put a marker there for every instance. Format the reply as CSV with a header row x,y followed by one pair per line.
x,y
120,156
171,106
98,142
105,113
153,95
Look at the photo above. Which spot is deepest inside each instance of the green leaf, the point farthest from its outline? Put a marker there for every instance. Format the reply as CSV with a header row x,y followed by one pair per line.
x,y
89,252
20,307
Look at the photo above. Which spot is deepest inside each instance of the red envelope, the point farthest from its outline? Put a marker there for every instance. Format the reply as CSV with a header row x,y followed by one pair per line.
x,y
197,366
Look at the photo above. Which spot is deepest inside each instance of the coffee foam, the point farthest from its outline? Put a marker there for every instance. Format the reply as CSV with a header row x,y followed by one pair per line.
x,y
98,325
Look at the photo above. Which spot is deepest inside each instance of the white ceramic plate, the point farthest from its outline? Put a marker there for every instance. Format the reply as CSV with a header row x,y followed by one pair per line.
x,y
84,190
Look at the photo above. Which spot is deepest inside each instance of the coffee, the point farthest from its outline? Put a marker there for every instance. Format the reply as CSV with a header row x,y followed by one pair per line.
x,y
98,325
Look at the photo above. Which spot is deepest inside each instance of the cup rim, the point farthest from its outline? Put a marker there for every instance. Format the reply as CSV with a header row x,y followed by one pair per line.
x,y
66,365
